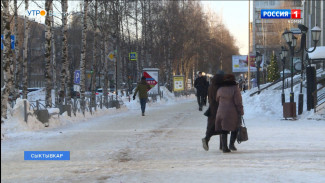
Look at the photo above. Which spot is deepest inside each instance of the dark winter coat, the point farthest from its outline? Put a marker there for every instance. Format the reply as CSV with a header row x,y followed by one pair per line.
x,y
143,88
201,85
230,105
213,104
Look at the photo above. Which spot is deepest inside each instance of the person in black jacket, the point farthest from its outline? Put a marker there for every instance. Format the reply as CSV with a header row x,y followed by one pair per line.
x,y
201,86
216,82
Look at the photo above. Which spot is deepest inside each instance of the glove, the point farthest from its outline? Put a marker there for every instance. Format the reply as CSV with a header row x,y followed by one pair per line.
x,y
133,97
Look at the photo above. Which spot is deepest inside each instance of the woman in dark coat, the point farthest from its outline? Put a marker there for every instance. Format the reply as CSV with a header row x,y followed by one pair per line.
x,y
229,111
213,107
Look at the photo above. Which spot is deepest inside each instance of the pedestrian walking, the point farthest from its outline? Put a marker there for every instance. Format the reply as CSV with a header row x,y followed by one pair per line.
x,y
229,111
143,87
201,85
216,82
205,95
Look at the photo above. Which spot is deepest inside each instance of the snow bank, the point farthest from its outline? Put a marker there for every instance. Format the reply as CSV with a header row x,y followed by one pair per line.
x,y
268,102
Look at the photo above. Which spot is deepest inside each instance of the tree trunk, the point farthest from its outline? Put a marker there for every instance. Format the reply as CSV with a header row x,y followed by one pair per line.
x,y
65,64
48,77
16,57
95,57
25,56
7,62
83,54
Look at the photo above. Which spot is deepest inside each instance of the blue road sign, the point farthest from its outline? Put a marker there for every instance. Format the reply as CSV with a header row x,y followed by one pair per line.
x,y
12,41
133,56
12,37
1,42
77,76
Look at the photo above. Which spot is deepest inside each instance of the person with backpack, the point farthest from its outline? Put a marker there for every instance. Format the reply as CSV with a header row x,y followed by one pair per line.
x,y
143,87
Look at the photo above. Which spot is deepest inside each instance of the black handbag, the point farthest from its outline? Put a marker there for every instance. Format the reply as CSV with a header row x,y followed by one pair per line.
x,y
242,132
207,113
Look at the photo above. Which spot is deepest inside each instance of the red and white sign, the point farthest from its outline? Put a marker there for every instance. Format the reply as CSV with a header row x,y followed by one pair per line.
x,y
151,76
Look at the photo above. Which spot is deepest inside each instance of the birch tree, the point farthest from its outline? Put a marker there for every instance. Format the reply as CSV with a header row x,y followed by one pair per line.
x,y
48,46
25,53
95,56
7,62
63,77
83,54
17,62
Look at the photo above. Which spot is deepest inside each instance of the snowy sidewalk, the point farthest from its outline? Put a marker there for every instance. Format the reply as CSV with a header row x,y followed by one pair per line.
x,y
165,146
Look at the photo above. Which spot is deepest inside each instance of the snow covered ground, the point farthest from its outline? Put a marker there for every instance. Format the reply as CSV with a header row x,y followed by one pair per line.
x,y
165,146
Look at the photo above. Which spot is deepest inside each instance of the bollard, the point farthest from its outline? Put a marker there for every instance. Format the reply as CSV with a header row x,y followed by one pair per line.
x,y
129,98
25,111
101,102
37,105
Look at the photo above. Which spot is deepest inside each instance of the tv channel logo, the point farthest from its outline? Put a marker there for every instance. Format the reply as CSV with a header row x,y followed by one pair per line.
x,y
36,13
280,14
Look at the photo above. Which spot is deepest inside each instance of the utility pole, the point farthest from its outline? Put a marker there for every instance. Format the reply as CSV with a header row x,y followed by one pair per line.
x,y
249,45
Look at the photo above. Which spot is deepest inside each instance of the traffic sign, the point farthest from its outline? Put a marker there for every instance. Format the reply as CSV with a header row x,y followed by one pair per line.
x,y
151,81
12,43
133,56
1,42
111,56
77,76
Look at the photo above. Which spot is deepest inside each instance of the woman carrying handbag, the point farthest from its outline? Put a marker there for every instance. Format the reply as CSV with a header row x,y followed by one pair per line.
x,y
229,110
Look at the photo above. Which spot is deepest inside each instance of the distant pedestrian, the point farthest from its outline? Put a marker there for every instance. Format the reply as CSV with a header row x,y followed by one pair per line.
x,y
229,112
216,82
201,86
205,96
143,87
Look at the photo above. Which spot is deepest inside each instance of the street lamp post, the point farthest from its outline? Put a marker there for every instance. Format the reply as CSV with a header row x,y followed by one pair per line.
x,y
283,55
258,60
292,42
316,31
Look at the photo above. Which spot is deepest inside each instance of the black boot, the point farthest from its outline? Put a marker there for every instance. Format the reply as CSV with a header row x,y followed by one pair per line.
x,y
224,143
205,144
220,146
233,138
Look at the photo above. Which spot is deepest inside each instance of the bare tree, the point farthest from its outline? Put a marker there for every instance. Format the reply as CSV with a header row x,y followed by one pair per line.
x,y
25,56
48,46
83,54
94,56
64,69
7,62
15,89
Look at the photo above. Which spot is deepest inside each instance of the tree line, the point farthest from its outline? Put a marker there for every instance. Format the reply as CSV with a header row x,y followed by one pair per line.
x,y
178,37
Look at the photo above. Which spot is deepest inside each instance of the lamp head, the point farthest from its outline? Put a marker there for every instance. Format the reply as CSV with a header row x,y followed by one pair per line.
x,y
303,28
287,35
316,31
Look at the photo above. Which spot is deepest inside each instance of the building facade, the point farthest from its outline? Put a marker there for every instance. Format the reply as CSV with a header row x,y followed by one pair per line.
x,y
313,14
266,33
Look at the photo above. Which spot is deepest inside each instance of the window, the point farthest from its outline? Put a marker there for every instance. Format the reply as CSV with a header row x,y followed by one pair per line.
x,y
272,2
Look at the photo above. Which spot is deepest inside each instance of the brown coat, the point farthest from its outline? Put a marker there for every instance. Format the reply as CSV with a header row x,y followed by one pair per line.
x,y
230,107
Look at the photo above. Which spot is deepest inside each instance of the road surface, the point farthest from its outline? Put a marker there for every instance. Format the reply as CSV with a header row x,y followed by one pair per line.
x,y
165,146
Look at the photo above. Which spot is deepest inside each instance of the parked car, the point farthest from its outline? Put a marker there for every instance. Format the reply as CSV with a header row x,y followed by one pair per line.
x,y
99,91
32,89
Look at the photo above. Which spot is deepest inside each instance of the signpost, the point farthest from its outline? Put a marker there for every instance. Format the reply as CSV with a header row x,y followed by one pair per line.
x,y
152,78
111,56
133,56
77,76
12,43
178,82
